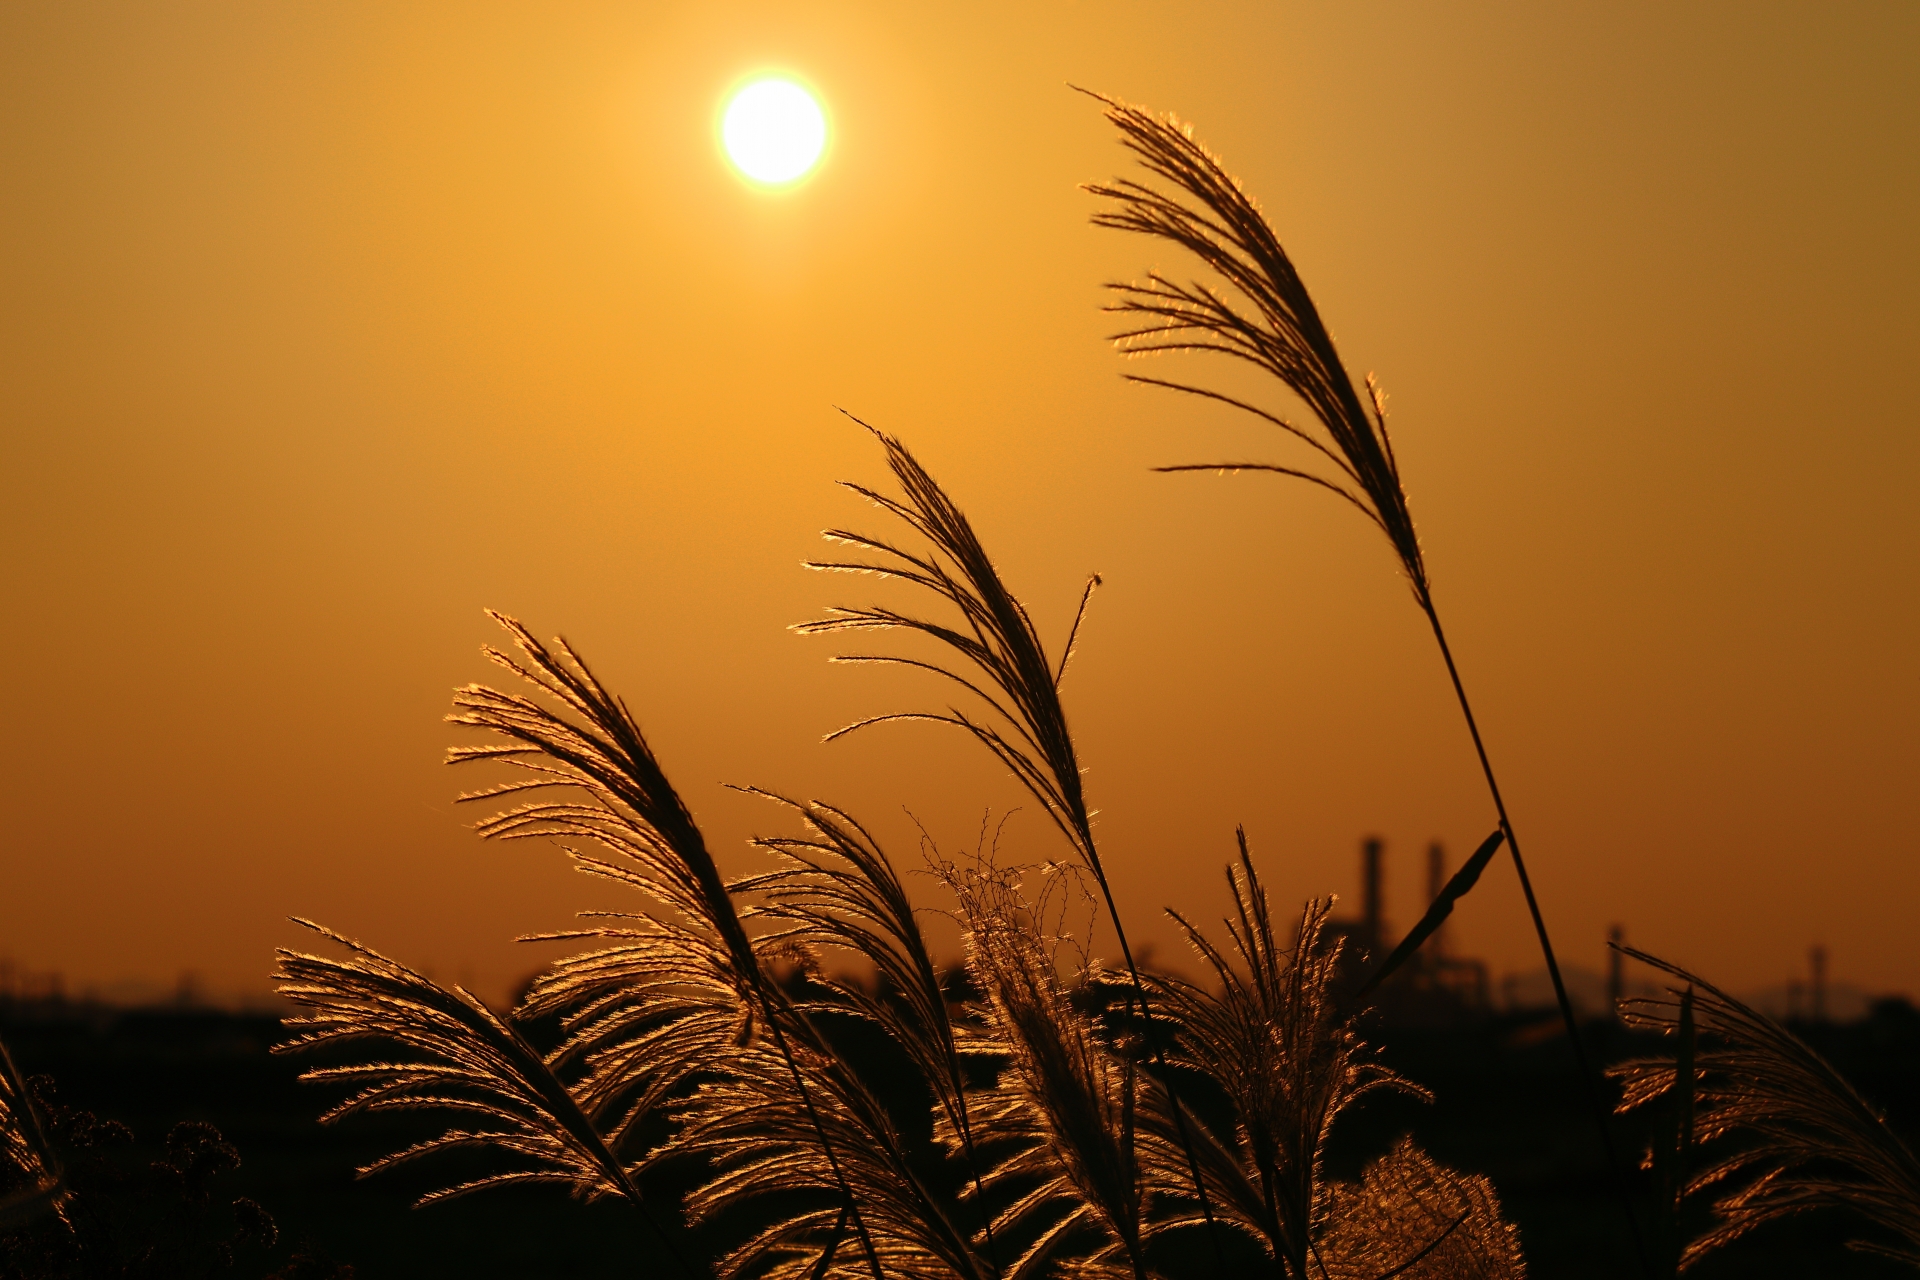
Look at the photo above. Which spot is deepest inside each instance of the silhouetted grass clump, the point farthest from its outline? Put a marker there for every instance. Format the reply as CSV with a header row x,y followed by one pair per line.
x,y
78,1201
1760,1128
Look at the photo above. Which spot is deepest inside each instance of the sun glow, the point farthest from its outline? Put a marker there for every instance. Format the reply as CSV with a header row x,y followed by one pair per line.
x,y
774,131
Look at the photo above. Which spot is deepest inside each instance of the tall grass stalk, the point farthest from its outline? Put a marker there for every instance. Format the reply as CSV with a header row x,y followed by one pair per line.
x,y
1275,1042
1785,1133
1088,1136
1279,331
594,746
463,1057
1011,675
838,889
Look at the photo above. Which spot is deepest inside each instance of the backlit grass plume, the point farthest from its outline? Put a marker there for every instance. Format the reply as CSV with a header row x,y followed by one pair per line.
x,y
455,1054
1276,328
1265,317
1275,1041
653,1007
838,890
1777,1131
835,890
569,734
1085,1145
1413,1218
31,1180
572,734
649,1010
758,1135
1001,662
671,1004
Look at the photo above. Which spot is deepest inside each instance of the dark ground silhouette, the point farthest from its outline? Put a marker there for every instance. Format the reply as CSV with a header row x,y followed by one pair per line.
x,y
1507,1104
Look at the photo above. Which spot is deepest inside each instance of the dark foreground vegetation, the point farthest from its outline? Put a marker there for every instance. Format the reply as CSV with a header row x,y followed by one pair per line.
x,y
1502,1106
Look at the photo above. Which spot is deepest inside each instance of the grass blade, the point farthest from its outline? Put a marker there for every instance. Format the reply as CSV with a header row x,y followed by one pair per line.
x,y
1442,907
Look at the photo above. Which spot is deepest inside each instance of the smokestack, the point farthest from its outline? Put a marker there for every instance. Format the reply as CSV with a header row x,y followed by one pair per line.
x,y
1817,961
1370,857
1436,881
1616,975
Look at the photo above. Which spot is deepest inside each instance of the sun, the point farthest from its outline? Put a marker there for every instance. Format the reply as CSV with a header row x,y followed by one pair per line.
x,y
774,130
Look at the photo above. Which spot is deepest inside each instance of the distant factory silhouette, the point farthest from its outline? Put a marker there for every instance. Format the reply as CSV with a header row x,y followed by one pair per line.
x,y
1439,985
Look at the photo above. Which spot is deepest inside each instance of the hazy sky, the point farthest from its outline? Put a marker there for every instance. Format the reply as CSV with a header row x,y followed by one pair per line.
x,y
328,324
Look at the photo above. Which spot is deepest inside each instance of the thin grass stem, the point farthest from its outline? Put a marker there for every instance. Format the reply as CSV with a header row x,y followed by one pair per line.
x,y
1589,1077
1268,319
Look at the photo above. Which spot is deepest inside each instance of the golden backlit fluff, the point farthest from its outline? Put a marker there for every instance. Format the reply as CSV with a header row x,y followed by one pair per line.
x,y
1760,1126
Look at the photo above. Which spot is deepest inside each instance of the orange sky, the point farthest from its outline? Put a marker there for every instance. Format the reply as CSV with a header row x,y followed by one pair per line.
x,y
327,324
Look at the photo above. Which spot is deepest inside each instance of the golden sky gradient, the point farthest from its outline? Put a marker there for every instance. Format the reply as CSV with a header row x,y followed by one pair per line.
x,y
328,324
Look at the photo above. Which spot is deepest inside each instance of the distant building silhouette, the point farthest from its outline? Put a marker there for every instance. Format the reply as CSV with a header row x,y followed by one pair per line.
x,y
22,986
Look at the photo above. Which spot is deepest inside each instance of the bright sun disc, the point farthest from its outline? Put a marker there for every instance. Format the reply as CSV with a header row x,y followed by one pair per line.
x,y
773,130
